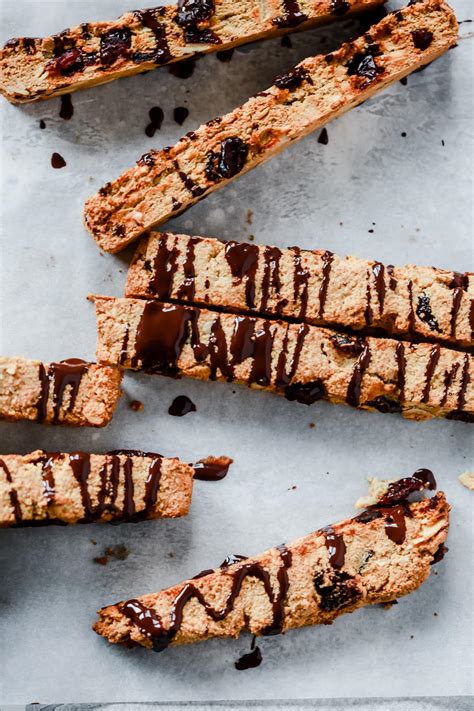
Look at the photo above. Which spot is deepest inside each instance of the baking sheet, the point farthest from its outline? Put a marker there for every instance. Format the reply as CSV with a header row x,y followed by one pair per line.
x,y
369,192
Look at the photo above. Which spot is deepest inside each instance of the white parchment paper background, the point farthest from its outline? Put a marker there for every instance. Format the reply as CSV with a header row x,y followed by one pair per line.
x,y
415,194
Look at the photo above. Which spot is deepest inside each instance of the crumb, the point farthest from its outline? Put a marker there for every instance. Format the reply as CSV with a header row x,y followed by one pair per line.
x,y
101,560
442,143
312,425
249,217
119,552
251,238
467,480
340,224
94,543
412,636
389,605
292,488
170,555
90,297
136,406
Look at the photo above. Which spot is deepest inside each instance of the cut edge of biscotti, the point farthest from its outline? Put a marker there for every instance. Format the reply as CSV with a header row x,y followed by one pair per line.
x,y
70,392
383,554
42,488
96,53
311,286
166,182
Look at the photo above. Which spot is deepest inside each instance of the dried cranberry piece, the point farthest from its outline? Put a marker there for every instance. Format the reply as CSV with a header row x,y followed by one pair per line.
x,y
422,38
293,79
305,393
69,62
363,65
114,45
229,162
191,12
347,345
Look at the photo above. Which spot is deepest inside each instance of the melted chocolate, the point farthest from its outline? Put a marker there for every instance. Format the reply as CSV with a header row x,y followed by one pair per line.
x,y
293,79
156,119
42,124
400,490
115,45
378,271
242,341
187,289
190,12
348,345
323,137
15,503
57,161
395,524
161,53
364,66
225,55
300,283
195,190
291,15
183,69
150,623
242,259
401,368
66,111
336,590
232,559
323,289
424,313
368,313
164,269
340,7
230,160
67,63
181,406
430,369
385,405
457,296
212,468
271,276
217,348
180,114
66,374
336,547
354,387
449,377
422,39
305,393
261,371
251,660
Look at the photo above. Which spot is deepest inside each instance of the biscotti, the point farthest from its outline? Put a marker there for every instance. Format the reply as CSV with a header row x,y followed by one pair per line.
x,y
305,363
95,53
164,183
71,392
317,287
54,487
377,557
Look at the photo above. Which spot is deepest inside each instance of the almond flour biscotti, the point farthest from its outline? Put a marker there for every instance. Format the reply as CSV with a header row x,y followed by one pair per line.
x,y
54,487
95,53
316,287
71,392
305,363
319,89
382,554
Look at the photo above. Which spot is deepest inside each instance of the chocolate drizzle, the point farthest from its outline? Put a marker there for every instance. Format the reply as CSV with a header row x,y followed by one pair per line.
x,y
430,369
161,52
195,190
66,111
293,79
251,660
340,7
336,547
164,269
15,503
261,372
115,45
291,15
150,624
395,524
190,14
424,312
187,289
300,283
242,259
323,289
64,375
422,38
271,276
354,388
379,275
401,369
457,296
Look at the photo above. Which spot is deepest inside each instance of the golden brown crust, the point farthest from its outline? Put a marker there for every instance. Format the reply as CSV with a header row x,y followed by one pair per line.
x,y
73,488
374,569
96,53
306,363
418,303
69,393
321,88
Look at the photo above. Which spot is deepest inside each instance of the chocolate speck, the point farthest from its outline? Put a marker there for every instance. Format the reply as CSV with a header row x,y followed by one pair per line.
x,y
66,111
323,137
403,134
286,41
180,114
404,81
57,161
156,119
42,124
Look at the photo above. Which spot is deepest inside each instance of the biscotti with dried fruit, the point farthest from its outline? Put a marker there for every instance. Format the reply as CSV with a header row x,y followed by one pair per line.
x,y
314,286
77,487
71,392
305,363
382,554
164,183
94,53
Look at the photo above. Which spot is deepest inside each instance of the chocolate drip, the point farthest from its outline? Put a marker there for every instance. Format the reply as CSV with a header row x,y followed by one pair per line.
x,y
251,660
271,276
323,289
57,161
160,337
392,282
261,372
66,111
183,69
128,493
47,460
471,317
449,377
336,547
340,7
218,352
156,119
347,345
457,296
395,524
190,14
164,269
422,38
161,53
293,79
66,374
464,383
229,161
379,276
353,390
399,491
150,623
195,190
181,406
283,377
368,313
13,493
411,312
212,469
243,262
401,369
232,559
81,468
424,313
291,15
242,341
430,369
300,283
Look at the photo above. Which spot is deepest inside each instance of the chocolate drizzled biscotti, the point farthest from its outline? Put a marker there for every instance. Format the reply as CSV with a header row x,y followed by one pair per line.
x,y
316,287
94,53
54,487
382,554
71,392
319,89
305,363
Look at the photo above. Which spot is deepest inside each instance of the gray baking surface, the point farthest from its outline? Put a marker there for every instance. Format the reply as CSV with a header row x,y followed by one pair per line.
x,y
370,192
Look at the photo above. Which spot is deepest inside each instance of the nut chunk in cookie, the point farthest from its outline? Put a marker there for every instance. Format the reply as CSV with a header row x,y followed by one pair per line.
x,y
319,89
78,487
382,554
71,392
